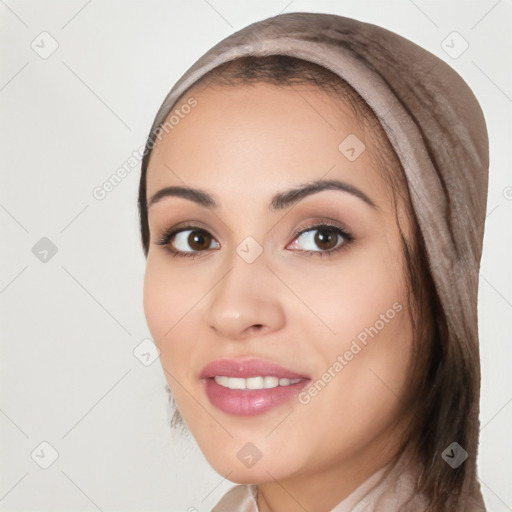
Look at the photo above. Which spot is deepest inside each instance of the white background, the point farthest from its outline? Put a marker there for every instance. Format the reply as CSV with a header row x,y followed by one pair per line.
x,y
69,325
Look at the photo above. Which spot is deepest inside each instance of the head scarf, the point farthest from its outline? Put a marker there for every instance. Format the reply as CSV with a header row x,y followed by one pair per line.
x,y
437,130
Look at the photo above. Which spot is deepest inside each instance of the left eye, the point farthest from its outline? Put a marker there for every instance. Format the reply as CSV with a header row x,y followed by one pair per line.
x,y
320,239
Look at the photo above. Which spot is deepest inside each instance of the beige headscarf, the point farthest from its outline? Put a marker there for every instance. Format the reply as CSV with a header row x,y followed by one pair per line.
x,y
438,132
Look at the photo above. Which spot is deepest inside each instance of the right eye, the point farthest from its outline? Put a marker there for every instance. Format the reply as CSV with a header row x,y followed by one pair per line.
x,y
188,241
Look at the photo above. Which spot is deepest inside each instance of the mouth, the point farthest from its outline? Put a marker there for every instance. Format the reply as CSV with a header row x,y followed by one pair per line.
x,y
247,387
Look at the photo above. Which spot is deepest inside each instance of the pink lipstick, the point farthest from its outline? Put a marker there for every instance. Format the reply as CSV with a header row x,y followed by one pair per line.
x,y
247,387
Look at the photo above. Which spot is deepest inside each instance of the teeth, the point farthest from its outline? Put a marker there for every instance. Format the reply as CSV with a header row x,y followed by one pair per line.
x,y
253,382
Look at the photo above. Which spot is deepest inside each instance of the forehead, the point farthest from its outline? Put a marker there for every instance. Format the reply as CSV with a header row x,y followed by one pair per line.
x,y
247,139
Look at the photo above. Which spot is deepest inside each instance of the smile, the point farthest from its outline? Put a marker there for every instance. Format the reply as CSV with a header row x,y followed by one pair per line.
x,y
246,387
267,382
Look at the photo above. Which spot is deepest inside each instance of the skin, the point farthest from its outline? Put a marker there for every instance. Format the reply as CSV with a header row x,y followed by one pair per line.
x,y
242,144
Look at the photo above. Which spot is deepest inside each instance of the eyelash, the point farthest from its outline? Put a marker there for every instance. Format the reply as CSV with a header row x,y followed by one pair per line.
x,y
168,235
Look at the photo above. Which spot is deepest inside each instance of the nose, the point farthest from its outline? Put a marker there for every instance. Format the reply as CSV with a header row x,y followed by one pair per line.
x,y
246,301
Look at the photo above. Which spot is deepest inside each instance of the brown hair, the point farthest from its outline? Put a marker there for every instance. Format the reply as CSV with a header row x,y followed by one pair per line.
x,y
440,394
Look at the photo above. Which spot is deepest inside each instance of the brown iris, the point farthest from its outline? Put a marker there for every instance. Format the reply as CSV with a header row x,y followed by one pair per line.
x,y
199,240
325,237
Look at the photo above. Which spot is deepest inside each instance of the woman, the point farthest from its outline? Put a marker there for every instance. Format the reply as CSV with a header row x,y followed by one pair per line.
x,y
312,203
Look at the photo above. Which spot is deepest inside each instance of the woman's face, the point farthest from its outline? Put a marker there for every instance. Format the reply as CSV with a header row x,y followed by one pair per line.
x,y
247,288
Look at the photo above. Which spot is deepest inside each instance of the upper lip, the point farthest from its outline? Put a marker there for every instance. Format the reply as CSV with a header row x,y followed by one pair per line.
x,y
245,368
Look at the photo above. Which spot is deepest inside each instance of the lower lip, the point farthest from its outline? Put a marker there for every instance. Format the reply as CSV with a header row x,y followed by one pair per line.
x,y
249,402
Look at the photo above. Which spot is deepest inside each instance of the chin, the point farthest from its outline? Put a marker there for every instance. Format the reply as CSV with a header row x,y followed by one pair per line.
x,y
250,476
266,469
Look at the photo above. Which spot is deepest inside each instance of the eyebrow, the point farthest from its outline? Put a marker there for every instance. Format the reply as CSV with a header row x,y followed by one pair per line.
x,y
279,201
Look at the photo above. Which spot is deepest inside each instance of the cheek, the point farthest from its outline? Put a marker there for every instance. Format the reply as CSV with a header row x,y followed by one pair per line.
x,y
159,305
373,316
363,302
351,294
370,316
169,299
169,296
